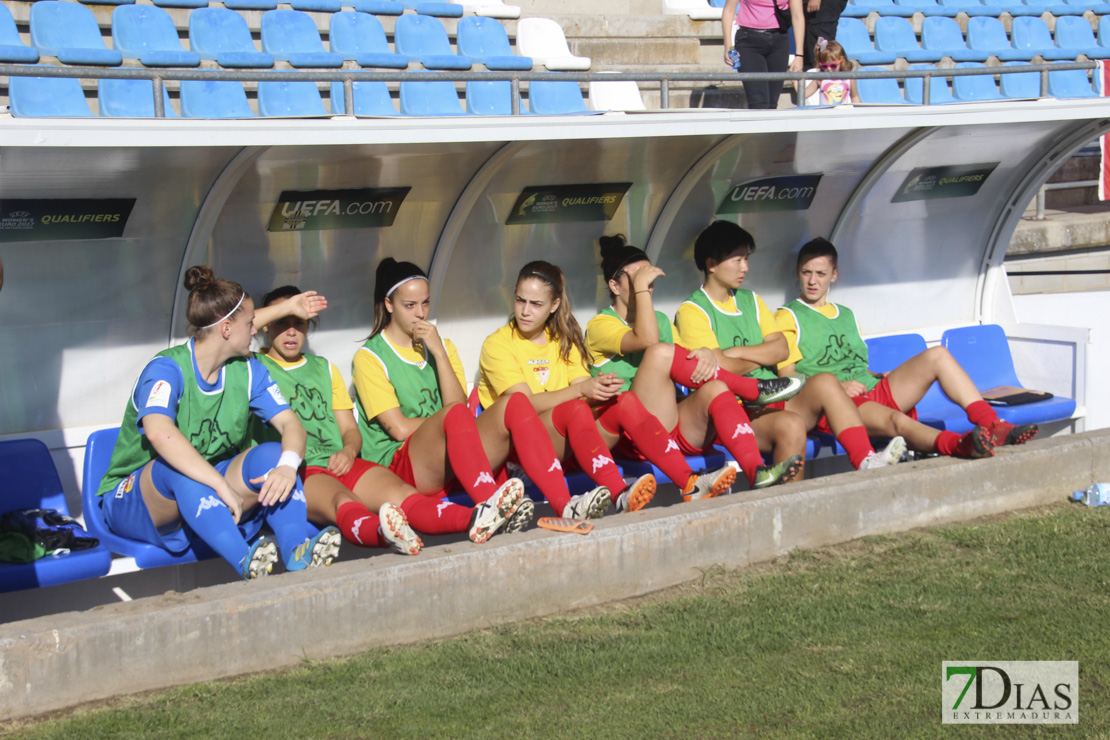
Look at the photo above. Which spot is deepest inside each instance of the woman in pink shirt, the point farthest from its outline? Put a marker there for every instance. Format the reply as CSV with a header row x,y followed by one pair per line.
x,y
761,41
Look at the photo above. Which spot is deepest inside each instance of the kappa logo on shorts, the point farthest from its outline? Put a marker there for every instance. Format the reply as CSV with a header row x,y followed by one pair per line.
x,y
555,465
601,461
209,502
484,477
671,445
356,527
742,429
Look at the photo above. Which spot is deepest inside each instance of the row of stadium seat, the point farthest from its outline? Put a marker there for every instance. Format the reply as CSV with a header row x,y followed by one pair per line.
x,y
995,8
1072,83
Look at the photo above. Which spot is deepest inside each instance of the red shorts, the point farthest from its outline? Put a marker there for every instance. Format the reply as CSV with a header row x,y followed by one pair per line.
x,y
880,394
627,450
358,469
401,466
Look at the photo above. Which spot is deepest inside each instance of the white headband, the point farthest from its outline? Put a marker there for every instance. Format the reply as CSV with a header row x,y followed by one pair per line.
x,y
398,285
228,316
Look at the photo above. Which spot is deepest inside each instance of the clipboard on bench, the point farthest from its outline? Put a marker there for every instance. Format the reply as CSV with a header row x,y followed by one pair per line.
x,y
1008,395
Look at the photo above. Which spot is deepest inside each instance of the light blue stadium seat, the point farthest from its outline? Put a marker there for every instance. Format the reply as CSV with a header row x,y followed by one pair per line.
x,y
548,98
130,99
1017,7
852,10
432,98
147,33
432,8
1070,83
1098,7
423,39
974,87
214,99
1076,35
929,8
378,7
1019,85
283,99
896,36
359,37
30,481
291,36
943,35
371,99
934,409
490,98
181,3
1032,36
250,4
12,48
222,35
69,32
988,34
47,97
484,40
939,94
110,2
855,39
972,7
883,91
885,8
1104,32
317,6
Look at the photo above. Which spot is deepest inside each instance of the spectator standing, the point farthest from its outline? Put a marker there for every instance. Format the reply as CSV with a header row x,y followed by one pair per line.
x,y
761,40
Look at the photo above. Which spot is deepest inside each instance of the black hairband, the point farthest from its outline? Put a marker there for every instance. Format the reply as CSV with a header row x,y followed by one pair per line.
x,y
540,275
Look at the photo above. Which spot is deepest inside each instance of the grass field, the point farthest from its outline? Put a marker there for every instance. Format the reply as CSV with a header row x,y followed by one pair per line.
x,y
845,641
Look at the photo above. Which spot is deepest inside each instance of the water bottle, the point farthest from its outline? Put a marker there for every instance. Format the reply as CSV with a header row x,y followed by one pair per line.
x,y
734,57
1097,494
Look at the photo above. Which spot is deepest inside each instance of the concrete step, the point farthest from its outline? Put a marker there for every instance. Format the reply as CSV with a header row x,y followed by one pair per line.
x,y
663,52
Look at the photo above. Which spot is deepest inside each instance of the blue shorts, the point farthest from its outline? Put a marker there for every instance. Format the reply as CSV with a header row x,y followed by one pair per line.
x,y
126,514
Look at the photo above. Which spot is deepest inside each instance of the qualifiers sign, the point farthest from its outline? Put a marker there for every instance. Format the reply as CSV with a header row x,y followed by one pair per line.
x,y
56,220
321,210
545,204
791,193
953,181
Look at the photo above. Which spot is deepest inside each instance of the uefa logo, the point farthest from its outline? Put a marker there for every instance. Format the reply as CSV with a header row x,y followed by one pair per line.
x,y
1009,692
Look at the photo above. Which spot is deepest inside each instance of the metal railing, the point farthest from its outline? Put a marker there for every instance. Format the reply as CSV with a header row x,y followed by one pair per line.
x,y
662,80
1059,186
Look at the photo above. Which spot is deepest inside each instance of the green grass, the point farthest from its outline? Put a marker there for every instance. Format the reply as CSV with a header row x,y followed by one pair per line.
x,y
845,641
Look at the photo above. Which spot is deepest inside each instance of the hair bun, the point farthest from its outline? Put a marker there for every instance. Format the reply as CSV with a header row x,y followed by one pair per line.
x,y
611,243
198,276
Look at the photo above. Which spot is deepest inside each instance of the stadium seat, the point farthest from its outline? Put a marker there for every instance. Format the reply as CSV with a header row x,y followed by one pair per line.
x,y
181,3
498,9
1098,7
316,6
371,99
855,39
542,39
934,409
968,88
852,10
1070,83
1019,85
31,482
291,36
943,35
1076,35
359,37
12,48
284,99
222,35
214,99
484,40
433,8
494,98
433,98
885,8
110,2
250,4
47,97
423,39
377,7
1032,36
1017,7
130,99
988,34
929,8
896,36
617,95
939,94
972,7
547,98
147,33
882,91
69,32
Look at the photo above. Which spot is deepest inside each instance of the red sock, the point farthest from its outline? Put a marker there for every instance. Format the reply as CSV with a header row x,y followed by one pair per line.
x,y
574,421
535,451
432,515
734,429
359,525
857,444
946,443
682,369
651,439
981,414
464,451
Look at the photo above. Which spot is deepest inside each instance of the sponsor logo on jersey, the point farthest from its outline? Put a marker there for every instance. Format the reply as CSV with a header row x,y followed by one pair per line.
x,y
356,527
159,396
555,465
275,393
542,374
742,429
125,486
208,502
671,445
483,477
600,462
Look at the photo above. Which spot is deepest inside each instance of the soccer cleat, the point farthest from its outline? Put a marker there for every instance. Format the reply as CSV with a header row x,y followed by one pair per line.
x,y
786,471
638,495
397,532
889,455
709,485
779,389
319,550
1005,433
489,516
975,444
590,505
521,518
260,559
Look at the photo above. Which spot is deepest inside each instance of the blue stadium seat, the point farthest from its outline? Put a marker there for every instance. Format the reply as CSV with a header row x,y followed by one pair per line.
x,y
430,7
490,98
250,4
378,7
1019,85
972,7
1104,32
318,6
1098,7
148,34
31,482
1070,83
984,353
130,99
433,98
110,2
547,98
939,94
181,3
896,36
371,99
12,48
69,32
1017,7
222,35
47,97
284,99
988,34
214,99
423,39
885,8
484,40
943,35
855,39
934,409
929,8
851,10
292,36
1076,35
359,37
974,87
882,91
1032,36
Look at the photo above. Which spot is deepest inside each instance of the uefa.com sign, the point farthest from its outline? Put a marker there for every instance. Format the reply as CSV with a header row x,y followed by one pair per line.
x,y
789,193
1009,692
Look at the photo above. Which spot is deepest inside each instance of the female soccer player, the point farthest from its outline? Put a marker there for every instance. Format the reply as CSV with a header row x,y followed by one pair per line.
x,y
539,353
737,325
825,337
181,467
642,346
